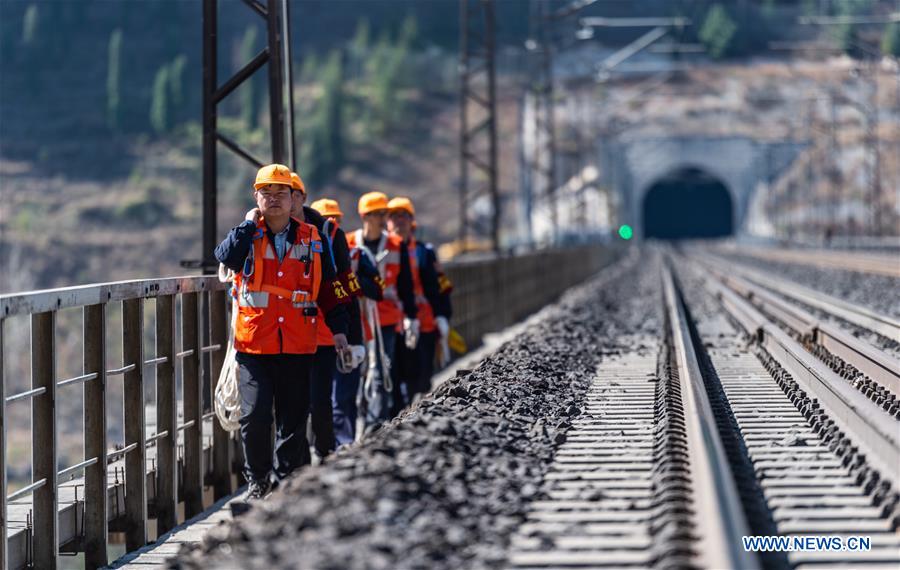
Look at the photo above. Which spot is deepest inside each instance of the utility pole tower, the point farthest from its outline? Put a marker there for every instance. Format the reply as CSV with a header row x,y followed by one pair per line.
x,y
277,53
478,119
543,159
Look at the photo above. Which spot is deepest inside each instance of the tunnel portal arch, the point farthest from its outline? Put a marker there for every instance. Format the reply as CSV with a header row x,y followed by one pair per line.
x,y
687,203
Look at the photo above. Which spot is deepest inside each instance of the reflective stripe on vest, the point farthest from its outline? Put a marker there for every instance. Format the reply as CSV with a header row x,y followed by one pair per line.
x,y
255,299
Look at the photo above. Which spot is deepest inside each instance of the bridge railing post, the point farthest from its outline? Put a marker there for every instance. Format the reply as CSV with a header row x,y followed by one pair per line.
x,y
135,424
192,492
43,440
4,555
166,417
221,449
96,537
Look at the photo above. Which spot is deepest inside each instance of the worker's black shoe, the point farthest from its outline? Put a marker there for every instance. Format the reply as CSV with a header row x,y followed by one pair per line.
x,y
257,490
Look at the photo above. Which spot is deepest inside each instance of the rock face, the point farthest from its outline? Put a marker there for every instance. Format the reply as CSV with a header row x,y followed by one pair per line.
x,y
445,484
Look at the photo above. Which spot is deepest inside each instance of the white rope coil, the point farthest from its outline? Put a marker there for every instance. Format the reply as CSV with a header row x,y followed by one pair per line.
x,y
228,396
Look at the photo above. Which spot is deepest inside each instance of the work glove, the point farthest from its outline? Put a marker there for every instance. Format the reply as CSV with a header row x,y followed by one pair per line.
x,y
443,326
350,359
444,352
411,332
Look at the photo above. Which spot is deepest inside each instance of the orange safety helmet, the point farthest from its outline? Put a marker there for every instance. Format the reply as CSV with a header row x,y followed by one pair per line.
x,y
402,203
273,174
372,202
297,183
327,207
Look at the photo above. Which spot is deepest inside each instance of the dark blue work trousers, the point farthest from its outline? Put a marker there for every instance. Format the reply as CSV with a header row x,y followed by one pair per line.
x,y
282,381
380,401
346,387
320,400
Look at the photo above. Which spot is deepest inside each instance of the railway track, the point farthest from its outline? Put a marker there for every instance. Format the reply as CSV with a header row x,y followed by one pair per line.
x,y
855,315
876,264
873,372
726,425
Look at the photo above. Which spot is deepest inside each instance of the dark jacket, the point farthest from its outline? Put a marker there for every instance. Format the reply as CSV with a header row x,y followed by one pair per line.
x,y
405,288
337,240
429,275
369,278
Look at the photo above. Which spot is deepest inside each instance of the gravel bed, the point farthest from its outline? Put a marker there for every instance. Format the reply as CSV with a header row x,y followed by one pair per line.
x,y
447,483
877,292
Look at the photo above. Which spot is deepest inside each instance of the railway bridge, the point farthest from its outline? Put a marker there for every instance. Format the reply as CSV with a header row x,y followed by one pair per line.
x,y
656,406
647,383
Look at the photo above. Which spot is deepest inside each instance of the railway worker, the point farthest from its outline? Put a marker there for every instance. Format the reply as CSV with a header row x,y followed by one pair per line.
x,y
281,280
345,384
396,311
432,288
324,362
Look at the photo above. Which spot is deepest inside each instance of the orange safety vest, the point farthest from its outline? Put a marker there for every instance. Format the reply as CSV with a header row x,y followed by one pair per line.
x,y
277,311
390,310
426,314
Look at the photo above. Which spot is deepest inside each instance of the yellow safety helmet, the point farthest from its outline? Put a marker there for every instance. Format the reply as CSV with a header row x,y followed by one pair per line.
x,y
327,207
402,203
297,183
371,202
272,174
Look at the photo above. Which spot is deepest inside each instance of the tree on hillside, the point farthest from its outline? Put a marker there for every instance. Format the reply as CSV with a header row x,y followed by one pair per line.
x,y
890,41
409,34
381,85
718,31
159,105
309,68
324,155
113,79
847,35
29,25
176,87
359,48
248,96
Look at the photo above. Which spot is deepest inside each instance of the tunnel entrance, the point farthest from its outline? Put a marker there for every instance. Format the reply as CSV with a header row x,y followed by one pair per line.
x,y
688,203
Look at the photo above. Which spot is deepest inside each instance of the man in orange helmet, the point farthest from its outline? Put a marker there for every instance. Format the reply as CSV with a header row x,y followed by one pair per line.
x,y
397,309
324,363
281,280
345,385
432,288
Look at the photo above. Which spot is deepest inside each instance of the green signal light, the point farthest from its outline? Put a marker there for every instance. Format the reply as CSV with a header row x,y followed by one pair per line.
x,y
625,232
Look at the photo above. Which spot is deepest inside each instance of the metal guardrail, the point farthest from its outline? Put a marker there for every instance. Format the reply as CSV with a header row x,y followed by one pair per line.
x,y
489,295
43,307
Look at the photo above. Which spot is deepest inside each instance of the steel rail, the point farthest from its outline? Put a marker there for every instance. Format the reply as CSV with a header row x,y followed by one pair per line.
x,y
849,261
852,313
870,427
719,515
876,364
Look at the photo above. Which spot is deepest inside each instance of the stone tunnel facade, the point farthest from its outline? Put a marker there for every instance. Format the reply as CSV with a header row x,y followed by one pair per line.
x,y
742,164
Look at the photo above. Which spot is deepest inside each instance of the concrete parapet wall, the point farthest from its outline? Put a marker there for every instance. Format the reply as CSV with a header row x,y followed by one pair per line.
x,y
492,294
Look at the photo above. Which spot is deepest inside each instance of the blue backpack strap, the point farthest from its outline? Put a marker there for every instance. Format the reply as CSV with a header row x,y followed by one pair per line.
x,y
326,231
421,253
248,261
